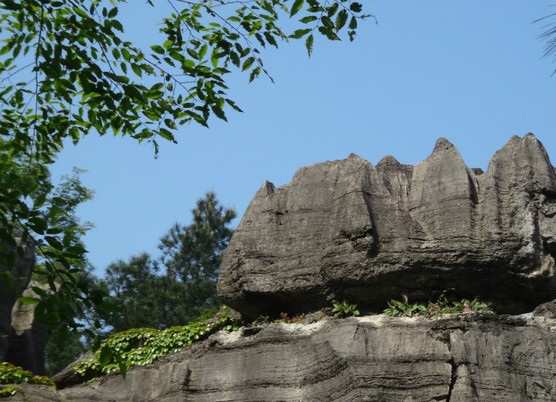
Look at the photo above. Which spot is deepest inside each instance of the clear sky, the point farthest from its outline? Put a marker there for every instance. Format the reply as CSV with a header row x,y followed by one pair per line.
x,y
470,71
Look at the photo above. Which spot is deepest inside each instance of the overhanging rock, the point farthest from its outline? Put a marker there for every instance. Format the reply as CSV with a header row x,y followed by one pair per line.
x,y
350,230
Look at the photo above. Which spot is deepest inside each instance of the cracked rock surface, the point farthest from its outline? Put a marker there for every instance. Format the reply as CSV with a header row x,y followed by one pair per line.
x,y
372,358
349,230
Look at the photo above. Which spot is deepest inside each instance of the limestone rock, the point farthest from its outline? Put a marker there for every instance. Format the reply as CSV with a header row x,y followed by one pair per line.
x,y
373,358
22,339
28,337
349,230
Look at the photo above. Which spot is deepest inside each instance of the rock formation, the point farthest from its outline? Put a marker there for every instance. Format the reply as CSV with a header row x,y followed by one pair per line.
x,y
22,340
350,230
375,358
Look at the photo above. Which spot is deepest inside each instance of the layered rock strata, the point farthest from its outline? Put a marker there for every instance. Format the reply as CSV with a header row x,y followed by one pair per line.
x,y
350,230
374,358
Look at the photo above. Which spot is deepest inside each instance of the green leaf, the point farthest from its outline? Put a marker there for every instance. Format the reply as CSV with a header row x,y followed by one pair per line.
x,y
133,92
39,291
327,22
356,7
308,19
54,243
219,112
113,12
235,59
157,49
353,23
28,300
248,63
214,58
300,33
309,44
105,356
341,19
203,51
270,39
332,9
192,53
254,74
297,6
137,69
126,54
38,225
329,33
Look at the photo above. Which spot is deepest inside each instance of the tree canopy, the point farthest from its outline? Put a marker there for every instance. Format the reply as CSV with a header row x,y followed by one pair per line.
x,y
66,71
180,284
172,289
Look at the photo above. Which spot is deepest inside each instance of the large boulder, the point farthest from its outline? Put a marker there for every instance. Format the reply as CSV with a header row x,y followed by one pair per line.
x,y
22,338
350,230
374,358
14,278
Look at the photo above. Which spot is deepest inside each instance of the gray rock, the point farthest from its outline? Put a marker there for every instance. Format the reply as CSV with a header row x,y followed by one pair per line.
x,y
22,339
373,358
28,337
349,230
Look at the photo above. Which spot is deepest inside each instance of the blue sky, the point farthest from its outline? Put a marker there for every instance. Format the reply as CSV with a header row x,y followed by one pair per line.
x,y
470,71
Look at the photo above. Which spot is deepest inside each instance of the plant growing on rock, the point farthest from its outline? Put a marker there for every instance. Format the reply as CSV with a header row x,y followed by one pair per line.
x,y
399,308
441,306
10,374
284,317
344,309
142,346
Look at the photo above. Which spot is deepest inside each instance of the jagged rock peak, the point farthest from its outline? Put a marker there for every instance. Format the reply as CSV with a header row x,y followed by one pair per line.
x,y
388,160
371,234
442,144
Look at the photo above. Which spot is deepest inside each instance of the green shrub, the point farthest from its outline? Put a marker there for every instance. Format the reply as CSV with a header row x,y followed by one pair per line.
x,y
142,346
10,390
10,374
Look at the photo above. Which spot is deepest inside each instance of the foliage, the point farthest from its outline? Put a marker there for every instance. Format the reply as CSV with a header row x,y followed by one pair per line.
x,y
430,309
397,308
180,285
48,211
62,348
133,292
66,71
82,76
10,390
549,35
344,309
195,251
262,319
10,374
192,256
142,346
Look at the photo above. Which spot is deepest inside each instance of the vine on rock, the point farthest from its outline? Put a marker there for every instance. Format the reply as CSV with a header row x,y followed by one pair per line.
x,y
142,346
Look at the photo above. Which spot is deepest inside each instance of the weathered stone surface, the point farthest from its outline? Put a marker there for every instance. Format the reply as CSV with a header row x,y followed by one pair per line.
x,y
348,229
373,358
19,275
28,337
22,339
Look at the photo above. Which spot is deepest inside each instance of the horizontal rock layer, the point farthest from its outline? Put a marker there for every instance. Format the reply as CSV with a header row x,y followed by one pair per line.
x,y
350,230
373,358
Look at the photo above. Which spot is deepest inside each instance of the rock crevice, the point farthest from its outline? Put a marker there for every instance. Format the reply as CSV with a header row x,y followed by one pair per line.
x,y
373,358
